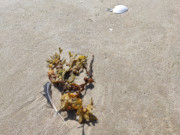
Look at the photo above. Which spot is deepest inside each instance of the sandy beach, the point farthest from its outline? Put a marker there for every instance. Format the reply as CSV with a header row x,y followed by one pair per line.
x,y
136,65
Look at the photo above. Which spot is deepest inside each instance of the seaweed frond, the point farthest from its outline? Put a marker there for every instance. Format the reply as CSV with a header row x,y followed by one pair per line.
x,y
63,73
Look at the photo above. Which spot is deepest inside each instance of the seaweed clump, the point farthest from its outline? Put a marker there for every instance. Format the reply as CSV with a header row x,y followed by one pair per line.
x,y
63,74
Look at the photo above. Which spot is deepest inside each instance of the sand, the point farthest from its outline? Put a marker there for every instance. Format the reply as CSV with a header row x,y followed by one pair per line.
x,y
136,67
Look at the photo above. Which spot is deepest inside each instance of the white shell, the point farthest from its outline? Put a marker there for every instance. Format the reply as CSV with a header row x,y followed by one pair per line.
x,y
119,9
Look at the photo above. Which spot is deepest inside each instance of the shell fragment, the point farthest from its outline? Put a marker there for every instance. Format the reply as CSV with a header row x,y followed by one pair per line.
x,y
119,9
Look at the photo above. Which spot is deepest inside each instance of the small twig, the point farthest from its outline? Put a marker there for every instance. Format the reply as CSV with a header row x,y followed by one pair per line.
x,y
91,67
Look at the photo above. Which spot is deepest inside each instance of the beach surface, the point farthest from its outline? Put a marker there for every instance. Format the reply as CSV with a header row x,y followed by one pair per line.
x,y
136,65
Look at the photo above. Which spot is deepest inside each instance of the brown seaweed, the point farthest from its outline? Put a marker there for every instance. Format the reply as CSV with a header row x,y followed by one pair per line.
x,y
63,73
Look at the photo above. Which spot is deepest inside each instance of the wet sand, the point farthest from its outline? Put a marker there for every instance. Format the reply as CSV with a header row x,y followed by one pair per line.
x,y
136,67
